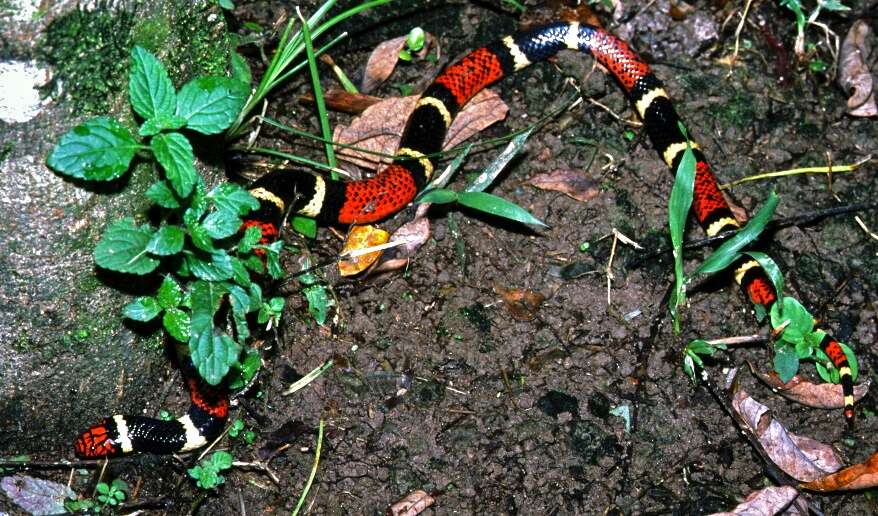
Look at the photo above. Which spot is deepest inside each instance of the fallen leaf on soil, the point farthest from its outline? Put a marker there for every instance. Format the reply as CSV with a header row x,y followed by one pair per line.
x,y
414,233
817,395
344,101
35,495
858,476
384,58
522,304
567,181
379,128
853,73
800,457
414,503
361,237
766,501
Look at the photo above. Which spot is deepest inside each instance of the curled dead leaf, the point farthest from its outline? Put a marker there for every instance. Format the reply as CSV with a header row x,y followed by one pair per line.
x,y
522,304
858,476
817,395
376,133
413,504
344,101
570,182
768,500
800,457
360,238
382,61
853,72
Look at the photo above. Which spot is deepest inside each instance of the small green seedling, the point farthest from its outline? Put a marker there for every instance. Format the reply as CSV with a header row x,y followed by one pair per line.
x,y
693,355
207,472
238,428
414,43
112,494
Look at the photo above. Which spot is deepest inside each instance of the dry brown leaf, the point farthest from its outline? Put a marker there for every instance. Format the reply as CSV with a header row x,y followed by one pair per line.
x,y
567,181
344,101
853,73
361,237
817,395
858,476
522,304
800,457
413,504
382,61
379,128
766,501
414,233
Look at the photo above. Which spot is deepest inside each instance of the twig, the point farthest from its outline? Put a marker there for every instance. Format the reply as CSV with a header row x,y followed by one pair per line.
x,y
832,169
738,31
740,340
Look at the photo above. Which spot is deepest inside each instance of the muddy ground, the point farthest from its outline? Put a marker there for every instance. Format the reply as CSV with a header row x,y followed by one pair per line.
x,y
438,387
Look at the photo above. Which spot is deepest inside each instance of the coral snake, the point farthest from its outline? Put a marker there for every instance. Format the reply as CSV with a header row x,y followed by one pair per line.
x,y
394,187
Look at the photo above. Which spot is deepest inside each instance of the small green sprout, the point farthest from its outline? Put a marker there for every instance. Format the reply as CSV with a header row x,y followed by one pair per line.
x,y
207,472
413,43
112,494
692,355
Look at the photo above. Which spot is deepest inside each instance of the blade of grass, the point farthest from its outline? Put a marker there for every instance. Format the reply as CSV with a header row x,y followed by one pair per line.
x,y
313,470
496,166
318,95
498,206
678,211
308,378
795,171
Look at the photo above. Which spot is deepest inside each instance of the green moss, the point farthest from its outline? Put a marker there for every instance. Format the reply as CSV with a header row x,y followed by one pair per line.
x,y
204,44
737,110
89,53
151,33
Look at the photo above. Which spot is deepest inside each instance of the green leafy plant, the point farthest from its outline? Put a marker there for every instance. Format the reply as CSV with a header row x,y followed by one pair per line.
x,y
197,245
803,21
207,472
473,195
693,355
112,494
414,42
239,429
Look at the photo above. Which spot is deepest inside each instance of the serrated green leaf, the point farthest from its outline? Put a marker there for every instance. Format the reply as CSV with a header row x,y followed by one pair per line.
x,y
97,150
246,369
166,241
251,237
216,266
142,309
728,252
156,125
222,224
490,203
177,323
254,263
239,273
174,153
438,196
319,303
123,248
272,259
170,294
255,295
490,173
786,363
233,199
201,237
149,87
160,193
240,300
213,355
210,104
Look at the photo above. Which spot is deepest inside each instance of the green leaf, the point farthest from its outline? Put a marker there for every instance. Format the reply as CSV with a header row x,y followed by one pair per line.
x,y
240,300
156,125
210,104
213,355
678,210
254,263
801,322
222,224
272,259
214,267
305,226
241,69
177,324
251,237
170,295
498,206
221,460
160,193
728,252
226,4
255,295
487,176
166,241
201,238
437,196
149,87
174,153
98,150
239,273
234,199
786,363
123,248
319,303
823,372
246,369
142,309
